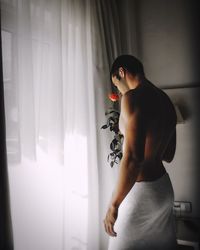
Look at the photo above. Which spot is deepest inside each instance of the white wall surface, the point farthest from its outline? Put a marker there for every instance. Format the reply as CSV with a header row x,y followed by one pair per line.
x,y
184,170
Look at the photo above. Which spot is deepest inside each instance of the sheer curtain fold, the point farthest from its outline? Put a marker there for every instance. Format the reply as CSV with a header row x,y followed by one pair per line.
x,y
106,39
56,57
6,230
108,24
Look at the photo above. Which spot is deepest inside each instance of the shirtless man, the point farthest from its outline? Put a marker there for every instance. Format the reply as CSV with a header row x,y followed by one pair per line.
x,y
148,123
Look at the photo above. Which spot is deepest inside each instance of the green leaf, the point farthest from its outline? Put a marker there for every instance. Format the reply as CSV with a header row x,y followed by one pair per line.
x,y
114,141
104,126
109,120
111,164
112,112
120,154
109,112
112,146
117,151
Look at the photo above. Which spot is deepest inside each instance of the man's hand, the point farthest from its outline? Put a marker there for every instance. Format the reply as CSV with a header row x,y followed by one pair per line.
x,y
109,221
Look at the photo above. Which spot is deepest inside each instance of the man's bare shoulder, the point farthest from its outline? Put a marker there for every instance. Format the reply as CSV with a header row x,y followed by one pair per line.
x,y
131,100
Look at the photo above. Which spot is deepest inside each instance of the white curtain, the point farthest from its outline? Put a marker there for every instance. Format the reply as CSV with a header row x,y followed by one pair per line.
x,y
56,58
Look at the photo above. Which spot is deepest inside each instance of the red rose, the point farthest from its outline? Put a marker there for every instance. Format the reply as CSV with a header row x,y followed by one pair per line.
x,y
113,97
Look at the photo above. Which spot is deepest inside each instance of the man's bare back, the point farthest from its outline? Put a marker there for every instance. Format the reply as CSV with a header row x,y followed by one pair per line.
x,y
160,129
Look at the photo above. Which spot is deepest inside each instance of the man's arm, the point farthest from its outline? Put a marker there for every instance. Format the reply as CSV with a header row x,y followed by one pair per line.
x,y
133,148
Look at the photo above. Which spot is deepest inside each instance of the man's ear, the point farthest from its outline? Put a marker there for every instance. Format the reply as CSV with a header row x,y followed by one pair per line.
x,y
121,72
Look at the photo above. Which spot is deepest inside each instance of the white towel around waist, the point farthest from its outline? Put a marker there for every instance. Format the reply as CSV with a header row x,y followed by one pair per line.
x,y
145,218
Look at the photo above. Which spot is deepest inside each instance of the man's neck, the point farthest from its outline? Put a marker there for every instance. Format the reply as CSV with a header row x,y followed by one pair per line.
x,y
135,83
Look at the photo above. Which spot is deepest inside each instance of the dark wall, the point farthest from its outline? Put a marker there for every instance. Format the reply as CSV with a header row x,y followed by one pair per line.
x,y
165,36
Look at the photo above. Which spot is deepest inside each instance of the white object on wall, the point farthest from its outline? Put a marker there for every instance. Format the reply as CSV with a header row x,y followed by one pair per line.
x,y
180,119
